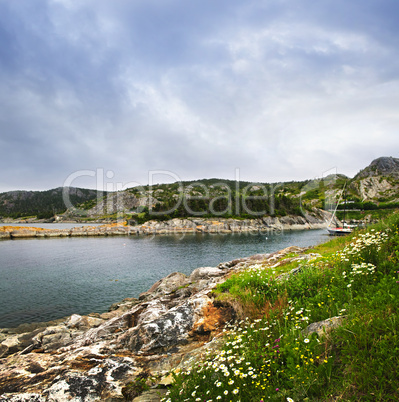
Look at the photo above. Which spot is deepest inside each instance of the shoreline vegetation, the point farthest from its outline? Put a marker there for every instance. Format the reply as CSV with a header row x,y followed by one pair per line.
x,y
174,226
324,330
300,324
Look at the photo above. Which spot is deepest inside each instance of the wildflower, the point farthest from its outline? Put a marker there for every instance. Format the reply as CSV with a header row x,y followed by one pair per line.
x,y
235,391
290,399
306,340
226,392
218,384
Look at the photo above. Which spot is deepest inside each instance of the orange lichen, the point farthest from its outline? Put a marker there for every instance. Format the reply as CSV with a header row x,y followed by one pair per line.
x,y
213,319
12,228
112,225
85,363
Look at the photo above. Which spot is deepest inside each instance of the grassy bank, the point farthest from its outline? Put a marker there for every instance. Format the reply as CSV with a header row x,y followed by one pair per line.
x,y
268,355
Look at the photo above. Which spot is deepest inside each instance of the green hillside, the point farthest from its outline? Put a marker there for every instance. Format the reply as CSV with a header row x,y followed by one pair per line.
x,y
372,193
42,204
347,288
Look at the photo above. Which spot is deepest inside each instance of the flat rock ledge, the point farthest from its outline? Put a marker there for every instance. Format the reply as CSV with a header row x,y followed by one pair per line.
x,y
177,226
95,357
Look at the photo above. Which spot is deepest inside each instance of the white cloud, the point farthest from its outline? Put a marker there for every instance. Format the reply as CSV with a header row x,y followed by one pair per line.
x,y
281,92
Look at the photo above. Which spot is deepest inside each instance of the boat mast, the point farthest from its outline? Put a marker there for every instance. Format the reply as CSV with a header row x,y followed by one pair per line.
x,y
336,207
344,197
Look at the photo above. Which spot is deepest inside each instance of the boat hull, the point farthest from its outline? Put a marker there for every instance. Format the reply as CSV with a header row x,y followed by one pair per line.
x,y
339,231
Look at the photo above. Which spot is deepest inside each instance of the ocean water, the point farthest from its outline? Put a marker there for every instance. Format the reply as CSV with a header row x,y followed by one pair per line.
x,y
46,279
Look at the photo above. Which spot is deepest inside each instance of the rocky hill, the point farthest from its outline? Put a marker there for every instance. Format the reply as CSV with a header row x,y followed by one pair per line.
x,y
378,182
374,187
42,204
384,166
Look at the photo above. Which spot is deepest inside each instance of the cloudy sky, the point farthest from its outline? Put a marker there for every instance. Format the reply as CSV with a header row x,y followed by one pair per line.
x,y
108,91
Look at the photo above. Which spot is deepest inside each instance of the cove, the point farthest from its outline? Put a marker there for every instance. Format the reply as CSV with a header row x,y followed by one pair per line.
x,y
47,279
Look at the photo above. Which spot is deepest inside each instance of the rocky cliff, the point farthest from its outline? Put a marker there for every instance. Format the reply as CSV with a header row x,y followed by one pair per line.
x,y
98,357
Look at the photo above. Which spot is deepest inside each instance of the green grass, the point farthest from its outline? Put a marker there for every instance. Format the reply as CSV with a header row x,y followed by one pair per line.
x,y
268,356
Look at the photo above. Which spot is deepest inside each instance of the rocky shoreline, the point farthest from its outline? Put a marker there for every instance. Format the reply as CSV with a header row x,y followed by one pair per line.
x,y
97,357
176,226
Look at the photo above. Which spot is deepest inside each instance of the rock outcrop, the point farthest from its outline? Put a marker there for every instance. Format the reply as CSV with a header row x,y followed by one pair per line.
x,y
96,357
221,225
383,166
379,181
325,326
315,220
121,201
375,187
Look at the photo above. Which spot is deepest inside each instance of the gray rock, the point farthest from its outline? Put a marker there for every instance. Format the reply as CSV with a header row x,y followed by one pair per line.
x,y
53,338
10,345
102,382
25,397
324,327
161,334
205,273
76,321
153,395
166,285
125,304
22,233
4,235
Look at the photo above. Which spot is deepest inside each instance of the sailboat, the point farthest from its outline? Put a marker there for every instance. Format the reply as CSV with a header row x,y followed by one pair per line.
x,y
344,229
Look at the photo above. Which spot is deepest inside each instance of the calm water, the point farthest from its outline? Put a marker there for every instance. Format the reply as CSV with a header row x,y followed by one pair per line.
x,y
45,279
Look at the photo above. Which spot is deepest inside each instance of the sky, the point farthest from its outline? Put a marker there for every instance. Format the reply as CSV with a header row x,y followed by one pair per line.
x,y
112,94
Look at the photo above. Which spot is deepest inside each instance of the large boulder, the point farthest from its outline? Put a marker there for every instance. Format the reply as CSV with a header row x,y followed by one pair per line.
x,y
205,273
77,321
104,381
53,338
325,326
191,318
166,286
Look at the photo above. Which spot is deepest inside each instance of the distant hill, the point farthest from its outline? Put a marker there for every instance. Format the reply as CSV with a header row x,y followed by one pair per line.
x,y
377,183
42,204
384,166
376,187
